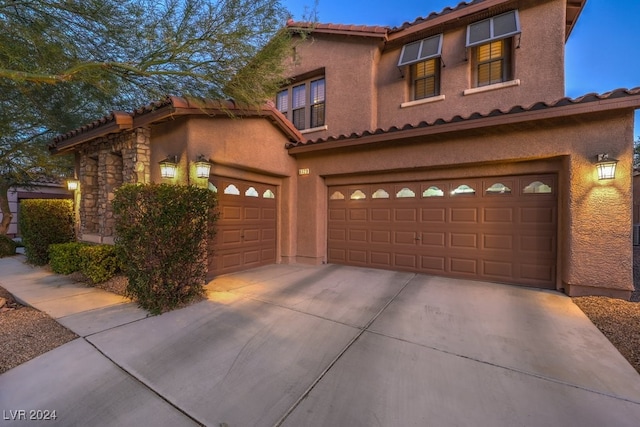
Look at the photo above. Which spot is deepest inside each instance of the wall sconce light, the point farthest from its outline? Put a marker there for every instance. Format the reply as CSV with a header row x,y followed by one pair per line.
x,y
203,167
606,167
168,167
72,184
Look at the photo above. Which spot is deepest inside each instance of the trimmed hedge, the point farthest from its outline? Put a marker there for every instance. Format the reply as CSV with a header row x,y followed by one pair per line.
x,y
44,222
162,232
64,258
7,246
99,263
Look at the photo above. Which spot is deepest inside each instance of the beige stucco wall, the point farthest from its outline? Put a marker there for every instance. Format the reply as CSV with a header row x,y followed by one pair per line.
x,y
365,88
539,68
350,90
242,148
594,236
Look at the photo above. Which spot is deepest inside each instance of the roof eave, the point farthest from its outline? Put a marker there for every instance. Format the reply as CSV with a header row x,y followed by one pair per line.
x,y
118,122
627,103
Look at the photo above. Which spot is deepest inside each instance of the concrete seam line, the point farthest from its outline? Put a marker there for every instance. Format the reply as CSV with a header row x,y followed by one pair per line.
x,y
339,356
508,368
145,385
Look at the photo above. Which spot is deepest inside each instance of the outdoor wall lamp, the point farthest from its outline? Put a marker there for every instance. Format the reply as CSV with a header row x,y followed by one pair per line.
x,y
203,166
606,167
168,167
72,184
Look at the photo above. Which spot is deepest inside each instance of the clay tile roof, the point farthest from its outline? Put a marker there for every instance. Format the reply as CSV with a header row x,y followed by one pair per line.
x,y
564,106
170,106
345,29
433,15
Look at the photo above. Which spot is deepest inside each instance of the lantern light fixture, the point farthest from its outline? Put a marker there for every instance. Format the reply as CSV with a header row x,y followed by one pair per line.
x,y
72,184
203,166
168,167
606,167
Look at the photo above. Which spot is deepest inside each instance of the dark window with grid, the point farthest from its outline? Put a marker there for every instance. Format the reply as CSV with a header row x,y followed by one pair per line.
x,y
299,101
282,102
304,103
317,103
493,62
425,78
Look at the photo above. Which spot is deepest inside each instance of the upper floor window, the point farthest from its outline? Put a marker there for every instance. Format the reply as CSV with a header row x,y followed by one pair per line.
x,y
303,103
491,46
423,59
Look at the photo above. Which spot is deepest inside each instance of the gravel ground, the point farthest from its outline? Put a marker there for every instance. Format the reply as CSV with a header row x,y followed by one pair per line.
x,y
26,333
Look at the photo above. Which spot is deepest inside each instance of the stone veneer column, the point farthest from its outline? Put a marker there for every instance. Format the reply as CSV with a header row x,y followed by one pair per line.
x,y
89,193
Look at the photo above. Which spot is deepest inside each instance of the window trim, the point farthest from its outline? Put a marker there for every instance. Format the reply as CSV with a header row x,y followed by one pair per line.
x,y
309,104
492,35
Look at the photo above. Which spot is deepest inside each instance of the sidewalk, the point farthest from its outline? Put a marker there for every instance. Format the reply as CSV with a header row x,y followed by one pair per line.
x,y
84,310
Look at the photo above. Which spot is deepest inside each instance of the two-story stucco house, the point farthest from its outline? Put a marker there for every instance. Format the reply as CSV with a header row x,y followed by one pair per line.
x,y
441,147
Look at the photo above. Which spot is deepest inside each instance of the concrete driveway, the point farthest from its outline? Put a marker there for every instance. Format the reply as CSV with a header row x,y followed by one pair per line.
x,y
333,345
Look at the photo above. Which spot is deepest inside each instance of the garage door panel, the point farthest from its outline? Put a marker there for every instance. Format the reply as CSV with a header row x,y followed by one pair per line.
x,y
381,215
358,236
497,228
463,266
463,240
498,242
543,244
246,229
537,215
358,214
498,269
434,215
381,259
338,214
436,239
404,238
464,215
498,215
433,264
358,256
382,237
405,215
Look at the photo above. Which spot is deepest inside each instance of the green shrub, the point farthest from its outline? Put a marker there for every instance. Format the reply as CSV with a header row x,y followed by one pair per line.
x,y
43,223
64,258
7,246
162,233
99,263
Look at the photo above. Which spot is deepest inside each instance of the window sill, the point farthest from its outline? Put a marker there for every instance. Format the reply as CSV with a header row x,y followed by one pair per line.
x,y
311,130
422,101
488,88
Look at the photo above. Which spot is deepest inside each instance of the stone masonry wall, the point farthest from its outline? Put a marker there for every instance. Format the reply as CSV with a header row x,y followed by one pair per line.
x,y
105,164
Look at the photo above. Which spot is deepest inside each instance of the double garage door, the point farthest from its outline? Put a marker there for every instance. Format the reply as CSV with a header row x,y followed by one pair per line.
x,y
501,229
246,227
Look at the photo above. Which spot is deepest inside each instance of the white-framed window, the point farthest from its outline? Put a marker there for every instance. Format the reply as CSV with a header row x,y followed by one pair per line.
x,y
491,45
423,59
303,103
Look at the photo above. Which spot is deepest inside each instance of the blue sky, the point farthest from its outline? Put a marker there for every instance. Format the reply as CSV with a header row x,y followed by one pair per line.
x,y
602,54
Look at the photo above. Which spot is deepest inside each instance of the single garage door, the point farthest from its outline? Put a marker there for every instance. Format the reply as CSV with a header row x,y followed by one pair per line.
x,y
246,228
500,229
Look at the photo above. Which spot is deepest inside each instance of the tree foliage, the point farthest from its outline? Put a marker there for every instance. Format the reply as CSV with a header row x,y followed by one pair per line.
x,y
65,63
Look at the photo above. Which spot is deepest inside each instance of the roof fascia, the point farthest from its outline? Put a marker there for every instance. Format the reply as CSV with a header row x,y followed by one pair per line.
x,y
444,19
627,103
121,121
574,9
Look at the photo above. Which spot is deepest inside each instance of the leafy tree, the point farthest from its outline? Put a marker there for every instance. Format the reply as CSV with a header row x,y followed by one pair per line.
x,y
636,154
62,63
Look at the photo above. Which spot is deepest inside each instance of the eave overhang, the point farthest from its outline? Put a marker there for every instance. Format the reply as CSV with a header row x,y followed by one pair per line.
x,y
168,109
620,99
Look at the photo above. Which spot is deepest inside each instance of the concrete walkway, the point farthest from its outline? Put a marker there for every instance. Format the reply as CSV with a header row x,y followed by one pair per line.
x,y
291,345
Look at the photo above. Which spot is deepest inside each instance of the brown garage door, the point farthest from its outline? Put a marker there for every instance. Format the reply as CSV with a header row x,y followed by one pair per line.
x,y
502,229
246,228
